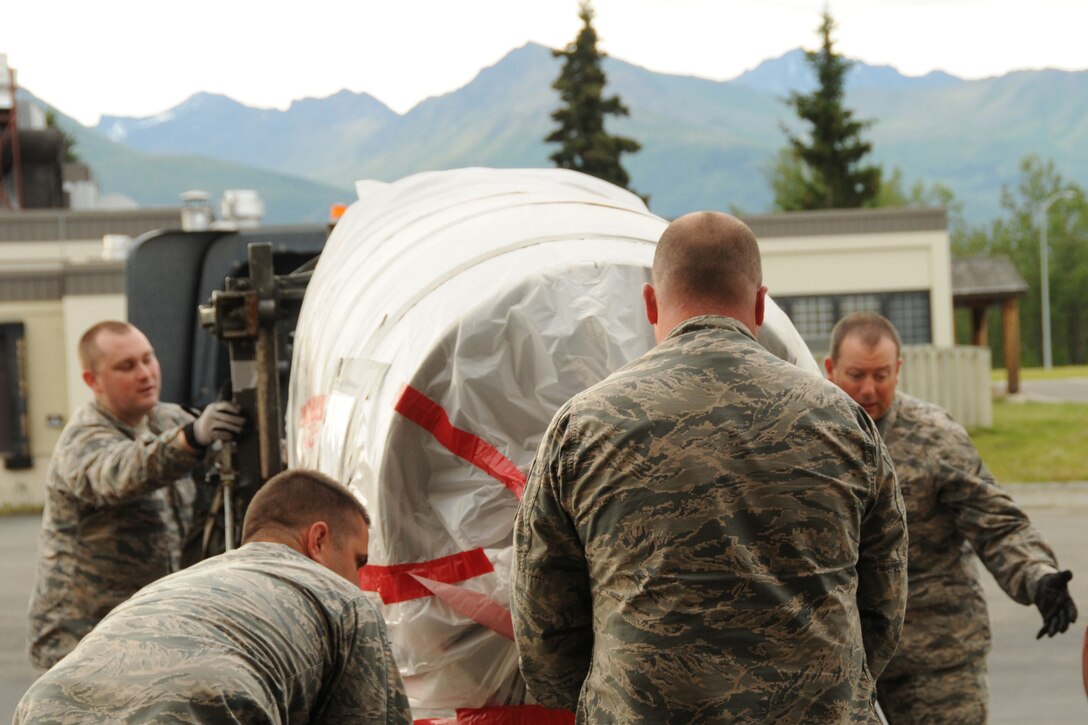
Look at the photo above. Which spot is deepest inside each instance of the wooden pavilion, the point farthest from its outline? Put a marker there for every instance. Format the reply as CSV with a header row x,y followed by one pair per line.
x,y
979,283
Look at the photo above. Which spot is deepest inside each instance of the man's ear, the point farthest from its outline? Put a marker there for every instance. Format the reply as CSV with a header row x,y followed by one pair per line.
x,y
829,365
761,305
649,297
315,540
91,379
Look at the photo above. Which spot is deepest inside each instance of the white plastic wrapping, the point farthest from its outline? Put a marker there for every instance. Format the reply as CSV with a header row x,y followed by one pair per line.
x,y
497,295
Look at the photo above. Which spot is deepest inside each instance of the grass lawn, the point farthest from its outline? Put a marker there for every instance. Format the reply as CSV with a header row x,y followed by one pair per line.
x,y
1036,442
7,509
1065,371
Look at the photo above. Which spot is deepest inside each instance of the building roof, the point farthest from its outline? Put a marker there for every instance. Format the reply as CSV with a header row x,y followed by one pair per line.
x,y
63,279
835,222
57,225
985,279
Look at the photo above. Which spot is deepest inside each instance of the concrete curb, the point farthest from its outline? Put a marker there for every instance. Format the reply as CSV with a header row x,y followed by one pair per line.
x,y
1069,494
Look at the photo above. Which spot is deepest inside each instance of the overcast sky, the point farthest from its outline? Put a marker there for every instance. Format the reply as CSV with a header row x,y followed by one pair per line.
x,y
141,57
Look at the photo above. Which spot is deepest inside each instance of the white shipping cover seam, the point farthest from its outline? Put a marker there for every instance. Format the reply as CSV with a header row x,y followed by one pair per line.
x,y
533,199
390,320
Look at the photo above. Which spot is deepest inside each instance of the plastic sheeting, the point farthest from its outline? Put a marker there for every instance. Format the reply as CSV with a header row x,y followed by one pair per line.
x,y
449,317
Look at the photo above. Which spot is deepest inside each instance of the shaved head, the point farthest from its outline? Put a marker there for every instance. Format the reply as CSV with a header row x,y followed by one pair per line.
x,y
294,499
708,257
89,351
706,263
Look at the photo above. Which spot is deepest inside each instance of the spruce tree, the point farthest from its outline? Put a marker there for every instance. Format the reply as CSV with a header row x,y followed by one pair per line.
x,y
69,141
826,170
584,144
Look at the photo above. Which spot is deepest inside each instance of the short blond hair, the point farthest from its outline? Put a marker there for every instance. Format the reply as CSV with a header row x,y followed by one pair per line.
x,y
88,342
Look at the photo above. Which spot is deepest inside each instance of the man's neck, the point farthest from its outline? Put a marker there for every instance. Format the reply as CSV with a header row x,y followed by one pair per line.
x,y
130,421
270,535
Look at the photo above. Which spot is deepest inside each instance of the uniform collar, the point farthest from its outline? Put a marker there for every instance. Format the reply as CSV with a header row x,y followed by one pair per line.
x,y
887,421
710,322
145,423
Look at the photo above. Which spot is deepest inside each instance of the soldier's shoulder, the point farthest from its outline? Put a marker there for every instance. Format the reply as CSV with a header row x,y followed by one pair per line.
x,y
927,426
917,412
815,391
273,577
84,432
88,414
619,383
279,562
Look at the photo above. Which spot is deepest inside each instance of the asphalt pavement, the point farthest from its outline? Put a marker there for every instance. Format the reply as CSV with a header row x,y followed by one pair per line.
x,y
1064,390
1031,681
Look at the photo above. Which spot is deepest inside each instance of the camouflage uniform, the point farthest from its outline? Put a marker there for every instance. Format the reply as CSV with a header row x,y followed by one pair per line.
x,y
261,634
117,507
954,509
709,535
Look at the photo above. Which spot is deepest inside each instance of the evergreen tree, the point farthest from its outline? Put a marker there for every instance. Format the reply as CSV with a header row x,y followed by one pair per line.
x,y
69,141
585,145
826,171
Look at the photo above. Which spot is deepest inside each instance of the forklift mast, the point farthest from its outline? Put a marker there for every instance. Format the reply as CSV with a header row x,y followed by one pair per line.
x,y
220,309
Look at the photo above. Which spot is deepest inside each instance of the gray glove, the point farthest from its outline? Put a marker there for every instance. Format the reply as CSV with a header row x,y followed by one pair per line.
x,y
220,421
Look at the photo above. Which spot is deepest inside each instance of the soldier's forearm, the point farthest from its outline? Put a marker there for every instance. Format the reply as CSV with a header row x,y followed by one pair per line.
x,y
109,471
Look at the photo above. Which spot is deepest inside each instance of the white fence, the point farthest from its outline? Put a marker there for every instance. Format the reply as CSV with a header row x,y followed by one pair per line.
x,y
955,378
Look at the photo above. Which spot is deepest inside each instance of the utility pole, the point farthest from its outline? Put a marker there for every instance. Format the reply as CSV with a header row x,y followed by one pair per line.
x,y
1044,268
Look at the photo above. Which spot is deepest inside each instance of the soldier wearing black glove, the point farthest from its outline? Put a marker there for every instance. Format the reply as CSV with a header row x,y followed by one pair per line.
x,y
1054,603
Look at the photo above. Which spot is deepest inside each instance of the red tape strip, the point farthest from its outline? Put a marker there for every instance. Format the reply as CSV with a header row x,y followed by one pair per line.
x,y
504,715
472,605
429,415
395,582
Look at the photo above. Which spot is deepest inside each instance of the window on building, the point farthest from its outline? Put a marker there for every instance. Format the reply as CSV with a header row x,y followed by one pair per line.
x,y
14,427
815,315
910,315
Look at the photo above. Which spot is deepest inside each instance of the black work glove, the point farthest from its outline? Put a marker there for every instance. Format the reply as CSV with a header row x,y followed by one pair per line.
x,y
1054,603
219,421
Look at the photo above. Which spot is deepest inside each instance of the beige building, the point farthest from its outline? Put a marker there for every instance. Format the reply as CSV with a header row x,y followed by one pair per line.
x,y
820,266
57,277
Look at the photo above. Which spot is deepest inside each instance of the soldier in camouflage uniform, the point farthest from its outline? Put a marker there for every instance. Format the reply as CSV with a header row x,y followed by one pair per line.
x,y
954,510
710,534
118,499
276,631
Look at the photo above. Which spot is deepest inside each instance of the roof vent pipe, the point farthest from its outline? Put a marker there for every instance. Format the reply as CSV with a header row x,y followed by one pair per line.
x,y
196,211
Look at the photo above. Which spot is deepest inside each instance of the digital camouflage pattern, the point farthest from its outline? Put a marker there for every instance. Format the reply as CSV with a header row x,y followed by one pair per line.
x,y
710,534
954,696
118,504
261,634
954,510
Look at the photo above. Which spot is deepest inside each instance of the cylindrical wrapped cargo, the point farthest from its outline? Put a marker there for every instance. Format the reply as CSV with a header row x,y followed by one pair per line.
x,y
450,315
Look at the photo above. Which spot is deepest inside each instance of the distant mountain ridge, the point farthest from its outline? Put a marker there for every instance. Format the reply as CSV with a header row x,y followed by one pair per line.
x,y
790,72
705,144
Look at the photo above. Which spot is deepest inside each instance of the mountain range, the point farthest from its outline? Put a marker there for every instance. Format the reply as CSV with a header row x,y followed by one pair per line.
x,y
705,144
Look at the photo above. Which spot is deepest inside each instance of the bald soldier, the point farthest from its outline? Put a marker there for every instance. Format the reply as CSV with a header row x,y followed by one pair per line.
x,y
118,492
955,510
710,534
276,631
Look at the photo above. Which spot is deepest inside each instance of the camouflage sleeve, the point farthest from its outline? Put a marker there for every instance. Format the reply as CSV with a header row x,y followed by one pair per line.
x,y
99,465
999,531
368,689
882,561
550,599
